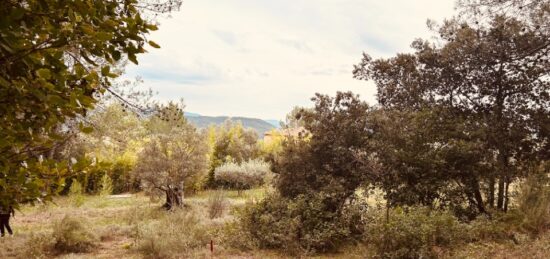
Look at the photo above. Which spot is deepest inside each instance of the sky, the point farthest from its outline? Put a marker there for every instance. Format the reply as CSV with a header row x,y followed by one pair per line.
x,y
260,58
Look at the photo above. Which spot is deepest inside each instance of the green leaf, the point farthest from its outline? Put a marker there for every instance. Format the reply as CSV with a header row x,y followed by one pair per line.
x,y
104,36
132,57
116,55
86,130
44,73
105,71
154,44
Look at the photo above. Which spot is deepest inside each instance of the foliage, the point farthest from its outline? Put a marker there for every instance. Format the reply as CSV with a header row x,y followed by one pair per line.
x,y
412,233
272,146
106,185
294,118
76,193
303,224
248,174
417,168
230,142
52,70
76,188
174,157
72,236
485,87
335,158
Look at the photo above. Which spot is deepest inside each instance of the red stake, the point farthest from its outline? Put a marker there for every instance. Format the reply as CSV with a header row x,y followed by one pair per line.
x,y
211,246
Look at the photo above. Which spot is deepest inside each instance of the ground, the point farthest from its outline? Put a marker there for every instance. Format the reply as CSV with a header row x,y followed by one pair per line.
x,y
115,220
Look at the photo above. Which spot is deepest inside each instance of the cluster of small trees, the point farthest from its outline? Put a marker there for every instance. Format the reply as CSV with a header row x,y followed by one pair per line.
x,y
163,154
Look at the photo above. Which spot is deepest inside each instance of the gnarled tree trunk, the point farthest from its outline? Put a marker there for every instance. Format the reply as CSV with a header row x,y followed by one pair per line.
x,y
174,196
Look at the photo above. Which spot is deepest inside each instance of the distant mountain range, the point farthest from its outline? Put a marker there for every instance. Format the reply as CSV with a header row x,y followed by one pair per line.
x,y
261,126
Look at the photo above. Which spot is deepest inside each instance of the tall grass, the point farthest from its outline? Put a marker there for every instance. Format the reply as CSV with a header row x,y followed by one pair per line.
x,y
216,204
534,201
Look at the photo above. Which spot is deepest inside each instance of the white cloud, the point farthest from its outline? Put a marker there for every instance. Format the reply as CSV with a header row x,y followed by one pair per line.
x,y
259,58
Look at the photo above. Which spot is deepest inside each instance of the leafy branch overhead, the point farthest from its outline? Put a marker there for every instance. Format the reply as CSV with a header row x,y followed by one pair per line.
x,y
56,59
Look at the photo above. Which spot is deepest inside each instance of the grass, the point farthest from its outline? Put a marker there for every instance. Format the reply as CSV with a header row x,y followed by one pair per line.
x,y
136,227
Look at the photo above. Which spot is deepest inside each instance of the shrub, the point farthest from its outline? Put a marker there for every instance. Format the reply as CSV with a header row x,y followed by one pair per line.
x,y
38,246
179,233
76,188
300,225
242,176
216,204
417,233
71,236
75,193
534,201
485,229
106,185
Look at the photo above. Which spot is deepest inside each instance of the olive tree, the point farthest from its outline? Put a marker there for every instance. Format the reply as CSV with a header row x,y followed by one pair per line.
x,y
175,153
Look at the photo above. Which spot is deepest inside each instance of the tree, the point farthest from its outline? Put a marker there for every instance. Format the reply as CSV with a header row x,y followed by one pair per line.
x,y
492,78
56,58
427,157
293,118
317,175
175,154
334,159
231,142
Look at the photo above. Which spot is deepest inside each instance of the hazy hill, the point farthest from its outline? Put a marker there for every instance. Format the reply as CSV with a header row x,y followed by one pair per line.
x,y
200,121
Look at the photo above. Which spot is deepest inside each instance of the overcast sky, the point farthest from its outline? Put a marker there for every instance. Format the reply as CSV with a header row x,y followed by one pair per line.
x,y
259,58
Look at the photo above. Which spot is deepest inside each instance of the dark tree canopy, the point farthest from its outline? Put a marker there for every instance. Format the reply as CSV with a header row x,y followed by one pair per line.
x,y
331,155
490,81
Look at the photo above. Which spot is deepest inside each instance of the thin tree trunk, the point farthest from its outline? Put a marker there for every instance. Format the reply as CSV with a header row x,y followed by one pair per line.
x,y
506,199
491,196
478,198
503,161
500,197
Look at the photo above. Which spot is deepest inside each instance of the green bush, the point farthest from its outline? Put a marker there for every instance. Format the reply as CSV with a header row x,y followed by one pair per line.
x,y
299,226
75,193
106,185
242,176
501,227
417,233
72,236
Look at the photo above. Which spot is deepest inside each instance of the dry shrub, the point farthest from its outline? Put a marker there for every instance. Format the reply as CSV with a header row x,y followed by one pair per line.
x,y
216,204
38,246
72,236
534,201
178,233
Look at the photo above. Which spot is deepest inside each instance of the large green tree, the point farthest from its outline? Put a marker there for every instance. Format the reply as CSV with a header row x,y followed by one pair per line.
x,y
56,59
331,156
493,77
